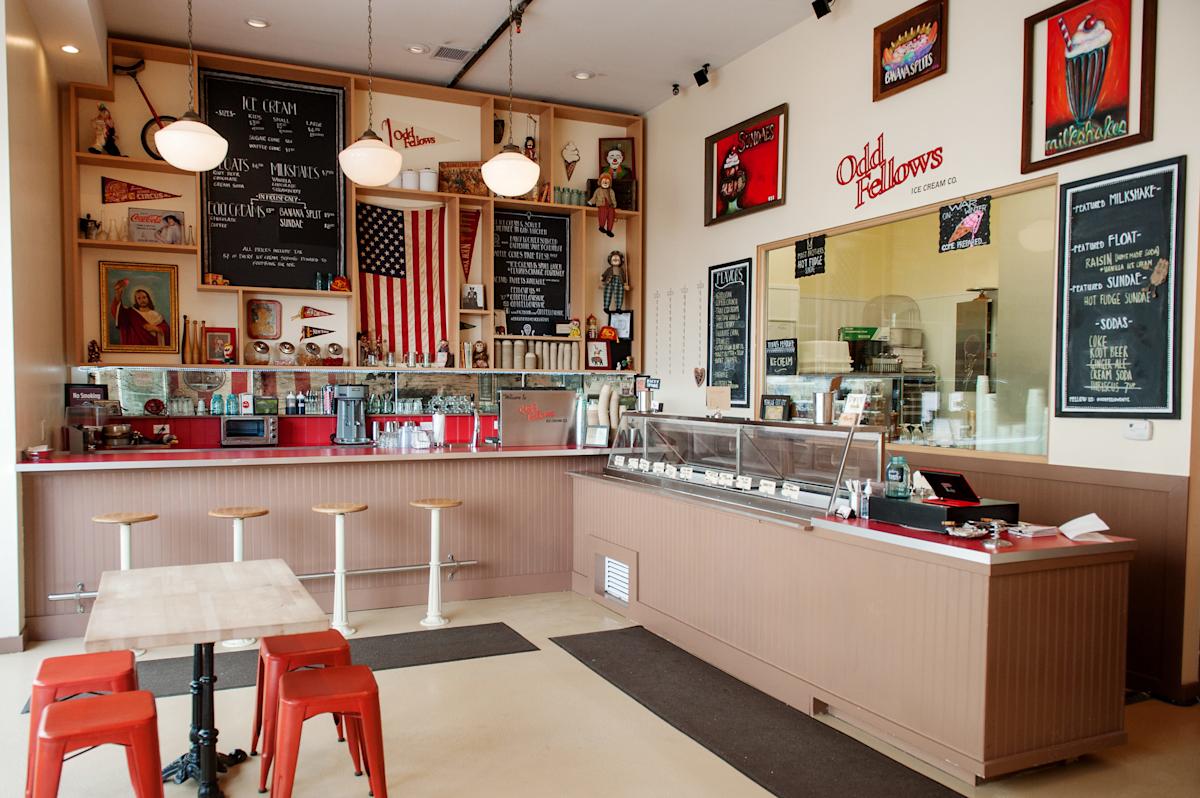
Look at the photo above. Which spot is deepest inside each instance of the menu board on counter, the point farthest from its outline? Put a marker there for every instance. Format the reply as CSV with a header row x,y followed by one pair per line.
x,y
729,301
1120,305
273,210
533,271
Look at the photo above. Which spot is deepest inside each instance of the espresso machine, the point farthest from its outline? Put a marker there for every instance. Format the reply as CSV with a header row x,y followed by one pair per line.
x,y
350,404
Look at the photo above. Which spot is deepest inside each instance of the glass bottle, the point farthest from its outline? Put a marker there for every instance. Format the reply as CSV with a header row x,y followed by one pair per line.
x,y
899,478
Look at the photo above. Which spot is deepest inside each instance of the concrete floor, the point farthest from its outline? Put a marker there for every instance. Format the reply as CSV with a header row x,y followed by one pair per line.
x,y
542,724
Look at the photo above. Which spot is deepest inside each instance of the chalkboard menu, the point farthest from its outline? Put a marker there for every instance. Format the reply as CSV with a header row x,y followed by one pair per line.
x,y
810,256
781,356
273,210
1119,305
729,300
965,224
533,271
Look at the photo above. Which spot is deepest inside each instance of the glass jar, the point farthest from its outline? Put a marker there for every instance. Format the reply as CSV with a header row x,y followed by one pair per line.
x,y
899,478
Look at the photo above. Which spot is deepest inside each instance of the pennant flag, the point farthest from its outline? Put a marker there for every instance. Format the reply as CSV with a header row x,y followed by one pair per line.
x,y
313,332
468,224
307,312
402,277
122,191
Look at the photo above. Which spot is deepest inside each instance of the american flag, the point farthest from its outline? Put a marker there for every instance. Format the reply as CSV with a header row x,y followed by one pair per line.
x,y
402,277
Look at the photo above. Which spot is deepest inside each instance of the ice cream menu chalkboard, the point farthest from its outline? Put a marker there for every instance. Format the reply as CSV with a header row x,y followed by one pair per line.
x,y
273,210
1120,302
729,329
532,271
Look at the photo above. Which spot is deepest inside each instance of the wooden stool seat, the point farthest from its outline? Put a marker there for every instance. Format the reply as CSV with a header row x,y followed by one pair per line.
x,y
435,504
339,508
238,512
123,518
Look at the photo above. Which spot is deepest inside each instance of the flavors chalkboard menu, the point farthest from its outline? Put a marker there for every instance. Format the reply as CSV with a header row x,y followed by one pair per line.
x,y
273,210
533,271
1119,304
729,329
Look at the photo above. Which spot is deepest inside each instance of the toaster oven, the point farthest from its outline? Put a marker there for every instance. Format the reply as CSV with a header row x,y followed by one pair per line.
x,y
249,430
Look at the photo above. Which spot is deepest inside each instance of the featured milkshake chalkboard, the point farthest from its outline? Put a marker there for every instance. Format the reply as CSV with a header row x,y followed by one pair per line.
x,y
273,210
729,329
533,271
1120,304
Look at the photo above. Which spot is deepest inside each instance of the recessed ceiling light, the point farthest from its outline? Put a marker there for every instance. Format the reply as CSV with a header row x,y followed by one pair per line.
x,y
418,49
70,48
583,75
258,22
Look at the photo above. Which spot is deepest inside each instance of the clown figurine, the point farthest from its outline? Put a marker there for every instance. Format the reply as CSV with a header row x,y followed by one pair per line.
x,y
615,282
605,200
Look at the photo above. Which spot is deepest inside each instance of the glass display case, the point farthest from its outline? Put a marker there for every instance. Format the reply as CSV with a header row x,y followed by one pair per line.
x,y
789,469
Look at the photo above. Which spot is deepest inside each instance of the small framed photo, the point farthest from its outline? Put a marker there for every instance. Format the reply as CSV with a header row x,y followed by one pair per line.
x,y
617,158
775,407
263,319
599,356
77,394
596,436
909,49
215,341
622,322
472,297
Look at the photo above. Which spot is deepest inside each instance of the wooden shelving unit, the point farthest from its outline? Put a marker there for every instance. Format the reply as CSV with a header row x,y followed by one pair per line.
x,y
137,246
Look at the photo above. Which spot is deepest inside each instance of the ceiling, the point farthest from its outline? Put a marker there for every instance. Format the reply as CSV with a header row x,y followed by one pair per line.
x,y
637,48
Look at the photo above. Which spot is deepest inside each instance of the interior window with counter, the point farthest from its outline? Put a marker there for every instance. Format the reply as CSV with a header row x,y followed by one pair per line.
x,y
944,320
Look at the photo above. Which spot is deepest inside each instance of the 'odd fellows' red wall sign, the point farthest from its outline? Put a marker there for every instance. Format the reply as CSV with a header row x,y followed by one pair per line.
x,y
874,173
745,166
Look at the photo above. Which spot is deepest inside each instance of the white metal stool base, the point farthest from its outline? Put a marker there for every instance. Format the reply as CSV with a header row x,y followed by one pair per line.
x,y
239,642
434,620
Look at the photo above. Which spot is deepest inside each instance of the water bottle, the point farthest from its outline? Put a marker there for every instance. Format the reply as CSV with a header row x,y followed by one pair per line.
x,y
899,478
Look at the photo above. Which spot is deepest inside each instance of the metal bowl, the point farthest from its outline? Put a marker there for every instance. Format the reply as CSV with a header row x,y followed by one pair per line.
x,y
117,430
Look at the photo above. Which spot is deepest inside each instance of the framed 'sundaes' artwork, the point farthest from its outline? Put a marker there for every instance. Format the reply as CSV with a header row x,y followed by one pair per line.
x,y
909,49
1089,80
139,305
745,166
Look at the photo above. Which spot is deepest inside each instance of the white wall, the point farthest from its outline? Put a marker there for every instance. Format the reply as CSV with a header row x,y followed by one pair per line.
x,y
822,70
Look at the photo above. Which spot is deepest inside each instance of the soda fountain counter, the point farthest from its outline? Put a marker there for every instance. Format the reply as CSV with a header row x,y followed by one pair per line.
x,y
979,662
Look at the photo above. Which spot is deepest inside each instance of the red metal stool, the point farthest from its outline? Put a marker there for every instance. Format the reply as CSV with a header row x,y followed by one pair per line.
x,y
277,656
126,719
350,691
62,677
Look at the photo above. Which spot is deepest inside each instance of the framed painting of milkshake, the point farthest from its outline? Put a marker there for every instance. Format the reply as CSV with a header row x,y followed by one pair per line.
x,y
139,308
745,166
909,49
1089,80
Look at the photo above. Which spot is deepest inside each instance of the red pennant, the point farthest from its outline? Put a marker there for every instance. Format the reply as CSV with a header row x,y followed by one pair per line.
x,y
122,191
468,224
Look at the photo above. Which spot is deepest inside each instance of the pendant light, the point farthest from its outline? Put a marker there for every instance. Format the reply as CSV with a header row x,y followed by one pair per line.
x,y
188,143
509,173
369,161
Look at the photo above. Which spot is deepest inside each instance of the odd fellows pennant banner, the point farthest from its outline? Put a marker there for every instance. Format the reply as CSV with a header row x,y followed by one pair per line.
x,y
875,174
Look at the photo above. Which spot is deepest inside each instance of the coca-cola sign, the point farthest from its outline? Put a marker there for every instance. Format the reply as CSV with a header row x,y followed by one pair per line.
x,y
873,173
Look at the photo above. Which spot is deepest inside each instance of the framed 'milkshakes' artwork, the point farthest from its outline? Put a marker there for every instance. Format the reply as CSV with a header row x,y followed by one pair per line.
x,y
745,166
1089,80
909,49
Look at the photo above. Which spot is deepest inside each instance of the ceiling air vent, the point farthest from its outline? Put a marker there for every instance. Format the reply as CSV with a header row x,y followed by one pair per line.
x,y
455,54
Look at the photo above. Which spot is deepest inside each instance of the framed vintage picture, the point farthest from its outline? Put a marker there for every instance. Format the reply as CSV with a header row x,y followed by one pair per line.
x,y
462,177
622,322
156,226
745,166
264,319
1089,80
472,296
139,303
215,341
617,158
909,49
599,356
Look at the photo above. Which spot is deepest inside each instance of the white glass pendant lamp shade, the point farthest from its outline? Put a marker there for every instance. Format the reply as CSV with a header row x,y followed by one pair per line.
x,y
369,161
509,173
190,144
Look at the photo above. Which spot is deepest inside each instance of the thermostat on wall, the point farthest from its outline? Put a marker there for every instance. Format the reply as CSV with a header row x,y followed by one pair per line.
x,y
1139,430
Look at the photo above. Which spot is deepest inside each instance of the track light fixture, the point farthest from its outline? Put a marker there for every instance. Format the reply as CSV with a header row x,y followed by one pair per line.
x,y
822,7
701,75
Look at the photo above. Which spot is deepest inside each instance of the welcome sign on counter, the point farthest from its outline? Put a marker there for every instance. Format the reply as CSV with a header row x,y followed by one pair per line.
x,y
273,210
729,301
1119,306
533,271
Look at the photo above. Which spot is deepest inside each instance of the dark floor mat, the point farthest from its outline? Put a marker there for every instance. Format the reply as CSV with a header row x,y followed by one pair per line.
x,y
778,747
166,677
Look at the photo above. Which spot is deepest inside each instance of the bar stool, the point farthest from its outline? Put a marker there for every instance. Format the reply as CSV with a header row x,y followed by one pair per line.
x,y
280,655
350,691
433,612
239,516
126,522
339,511
63,677
125,719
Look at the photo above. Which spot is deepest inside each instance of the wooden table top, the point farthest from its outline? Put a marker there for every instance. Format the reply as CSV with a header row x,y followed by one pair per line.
x,y
188,604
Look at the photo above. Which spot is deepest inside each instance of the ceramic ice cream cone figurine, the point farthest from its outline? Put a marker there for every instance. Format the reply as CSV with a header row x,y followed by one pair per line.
x,y
570,157
605,200
615,282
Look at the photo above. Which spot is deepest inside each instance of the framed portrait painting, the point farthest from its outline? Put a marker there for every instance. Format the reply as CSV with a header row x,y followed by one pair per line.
x,y
1089,80
215,341
909,49
617,158
745,166
139,306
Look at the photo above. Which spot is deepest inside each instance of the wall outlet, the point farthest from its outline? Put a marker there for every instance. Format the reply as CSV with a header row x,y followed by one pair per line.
x,y
1139,430
161,429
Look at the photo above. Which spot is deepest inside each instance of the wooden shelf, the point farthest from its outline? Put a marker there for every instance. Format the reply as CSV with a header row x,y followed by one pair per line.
x,y
117,162
412,194
555,338
339,369
137,246
472,312
253,289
